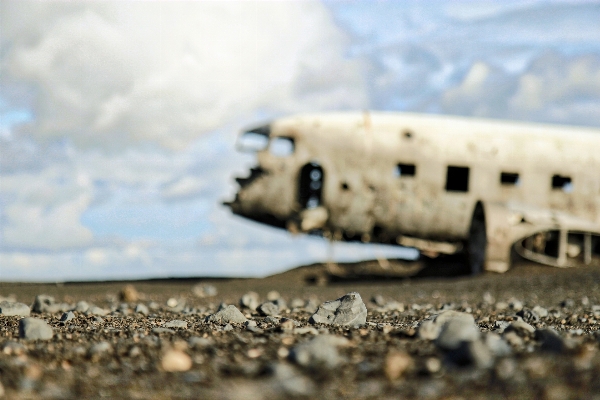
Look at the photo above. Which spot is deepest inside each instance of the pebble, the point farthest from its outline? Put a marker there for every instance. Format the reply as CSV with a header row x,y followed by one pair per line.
x,y
396,364
348,310
176,323
204,290
142,309
8,309
497,345
68,316
521,327
94,310
273,295
268,309
35,329
455,331
296,303
305,330
550,340
540,311
81,306
176,361
250,300
528,315
229,314
471,353
158,331
319,353
129,294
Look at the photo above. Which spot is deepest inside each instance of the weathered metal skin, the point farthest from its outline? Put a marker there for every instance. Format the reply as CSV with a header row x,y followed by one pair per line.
x,y
527,178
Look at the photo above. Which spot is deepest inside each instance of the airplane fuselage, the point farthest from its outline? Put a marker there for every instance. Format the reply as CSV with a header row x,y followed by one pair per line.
x,y
416,179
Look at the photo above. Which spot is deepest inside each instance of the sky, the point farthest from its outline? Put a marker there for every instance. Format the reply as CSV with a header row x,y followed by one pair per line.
x,y
118,119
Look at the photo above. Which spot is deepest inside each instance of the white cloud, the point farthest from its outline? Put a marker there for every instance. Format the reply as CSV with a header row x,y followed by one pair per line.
x,y
110,74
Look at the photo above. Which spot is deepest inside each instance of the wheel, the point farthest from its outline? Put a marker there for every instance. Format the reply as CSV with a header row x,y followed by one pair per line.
x,y
477,242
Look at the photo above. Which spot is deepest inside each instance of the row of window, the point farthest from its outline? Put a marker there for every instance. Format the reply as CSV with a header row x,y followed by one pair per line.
x,y
457,178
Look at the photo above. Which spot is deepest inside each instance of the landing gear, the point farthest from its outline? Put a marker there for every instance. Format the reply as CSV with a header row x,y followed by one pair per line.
x,y
477,242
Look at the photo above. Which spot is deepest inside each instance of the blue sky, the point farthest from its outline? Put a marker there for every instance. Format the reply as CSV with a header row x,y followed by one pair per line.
x,y
118,120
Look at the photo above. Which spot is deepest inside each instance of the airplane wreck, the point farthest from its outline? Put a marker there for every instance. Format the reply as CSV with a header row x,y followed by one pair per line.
x,y
443,185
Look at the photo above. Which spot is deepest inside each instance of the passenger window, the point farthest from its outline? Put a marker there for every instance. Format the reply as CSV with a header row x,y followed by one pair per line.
x,y
406,170
282,146
457,179
509,179
563,183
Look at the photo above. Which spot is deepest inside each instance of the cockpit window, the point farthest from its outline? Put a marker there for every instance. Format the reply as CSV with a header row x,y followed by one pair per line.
x,y
252,142
281,146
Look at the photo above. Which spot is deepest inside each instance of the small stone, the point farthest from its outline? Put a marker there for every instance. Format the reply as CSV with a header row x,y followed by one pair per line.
x,y
250,323
94,310
229,314
81,306
528,315
429,330
396,364
141,309
550,340
515,305
348,310
34,329
521,327
41,303
497,345
311,306
456,331
296,303
540,311
204,290
305,330
272,320
471,353
227,328
9,309
567,303
378,300
273,295
513,339
177,324
176,361
135,351
68,316
320,352
129,294
250,300
268,309
172,302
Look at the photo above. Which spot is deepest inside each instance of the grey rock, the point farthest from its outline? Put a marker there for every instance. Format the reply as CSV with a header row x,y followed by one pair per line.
x,y
501,326
250,300
67,316
272,320
520,327
455,331
41,303
94,310
177,324
348,310
229,314
254,329
81,306
296,303
540,311
250,323
515,305
280,303
497,345
273,295
528,315
35,329
227,328
567,303
142,309
268,309
305,330
378,300
319,353
550,340
430,329
311,306
8,308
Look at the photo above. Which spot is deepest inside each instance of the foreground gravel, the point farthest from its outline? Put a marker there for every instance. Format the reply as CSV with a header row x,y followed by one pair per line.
x,y
531,333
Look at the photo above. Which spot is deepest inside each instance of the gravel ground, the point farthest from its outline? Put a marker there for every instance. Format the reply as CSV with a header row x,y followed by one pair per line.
x,y
533,332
